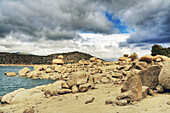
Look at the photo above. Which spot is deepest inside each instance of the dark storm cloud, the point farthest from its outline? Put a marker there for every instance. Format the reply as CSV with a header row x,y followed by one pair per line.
x,y
151,21
35,18
30,20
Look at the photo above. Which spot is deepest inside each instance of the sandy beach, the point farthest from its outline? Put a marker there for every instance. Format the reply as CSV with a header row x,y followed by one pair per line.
x,y
75,103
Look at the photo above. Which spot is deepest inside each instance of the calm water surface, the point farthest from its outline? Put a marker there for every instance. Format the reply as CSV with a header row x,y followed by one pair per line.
x,y
9,84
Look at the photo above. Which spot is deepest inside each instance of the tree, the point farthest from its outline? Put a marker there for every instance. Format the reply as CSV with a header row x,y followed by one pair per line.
x,y
159,50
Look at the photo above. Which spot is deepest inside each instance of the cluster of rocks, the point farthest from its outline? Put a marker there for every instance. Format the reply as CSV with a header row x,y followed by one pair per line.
x,y
138,77
147,81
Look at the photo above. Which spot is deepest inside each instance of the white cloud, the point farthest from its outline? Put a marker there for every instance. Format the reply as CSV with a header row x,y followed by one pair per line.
x,y
102,46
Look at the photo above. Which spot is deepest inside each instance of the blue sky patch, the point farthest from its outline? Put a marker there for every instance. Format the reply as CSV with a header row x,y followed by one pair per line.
x,y
118,23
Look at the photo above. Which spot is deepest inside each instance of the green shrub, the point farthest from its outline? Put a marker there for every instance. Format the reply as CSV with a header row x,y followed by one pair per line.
x,y
133,56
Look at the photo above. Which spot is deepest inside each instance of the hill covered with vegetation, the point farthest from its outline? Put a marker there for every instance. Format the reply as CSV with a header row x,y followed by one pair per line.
x,y
14,58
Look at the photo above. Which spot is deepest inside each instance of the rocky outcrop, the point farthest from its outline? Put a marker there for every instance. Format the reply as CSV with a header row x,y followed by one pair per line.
x,y
132,89
147,58
149,76
10,74
124,59
82,76
164,77
58,61
24,71
145,91
159,58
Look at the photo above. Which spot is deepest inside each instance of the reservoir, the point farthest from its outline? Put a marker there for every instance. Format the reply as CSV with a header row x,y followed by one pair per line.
x,y
9,84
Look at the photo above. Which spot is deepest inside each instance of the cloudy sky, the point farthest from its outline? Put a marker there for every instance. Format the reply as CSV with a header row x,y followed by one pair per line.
x,y
103,28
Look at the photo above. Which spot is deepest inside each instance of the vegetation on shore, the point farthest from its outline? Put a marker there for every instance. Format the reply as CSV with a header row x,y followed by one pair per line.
x,y
71,57
159,50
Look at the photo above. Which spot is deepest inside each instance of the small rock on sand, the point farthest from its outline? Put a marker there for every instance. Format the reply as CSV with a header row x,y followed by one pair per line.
x,y
107,102
90,100
29,110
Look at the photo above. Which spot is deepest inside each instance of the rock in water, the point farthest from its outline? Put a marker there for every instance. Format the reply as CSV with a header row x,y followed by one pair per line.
x,y
132,89
149,76
11,74
164,77
24,71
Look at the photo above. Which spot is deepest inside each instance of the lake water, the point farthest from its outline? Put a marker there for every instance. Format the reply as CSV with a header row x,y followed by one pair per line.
x,y
9,84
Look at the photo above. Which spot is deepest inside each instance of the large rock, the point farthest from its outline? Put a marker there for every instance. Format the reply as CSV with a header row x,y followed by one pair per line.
x,y
49,70
60,57
15,96
20,96
84,87
64,91
34,73
164,77
163,58
124,59
57,68
149,76
58,61
141,65
132,89
145,91
79,77
147,58
40,67
121,102
97,78
75,89
93,59
24,71
11,74
51,90
6,98
60,84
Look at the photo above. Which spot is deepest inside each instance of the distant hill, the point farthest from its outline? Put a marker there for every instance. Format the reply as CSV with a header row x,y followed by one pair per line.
x,y
15,58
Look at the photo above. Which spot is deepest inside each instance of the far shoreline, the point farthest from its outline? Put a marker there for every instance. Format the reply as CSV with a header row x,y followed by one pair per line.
x,y
24,65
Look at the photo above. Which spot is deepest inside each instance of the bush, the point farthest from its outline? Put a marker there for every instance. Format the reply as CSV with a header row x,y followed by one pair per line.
x,y
159,50
133,56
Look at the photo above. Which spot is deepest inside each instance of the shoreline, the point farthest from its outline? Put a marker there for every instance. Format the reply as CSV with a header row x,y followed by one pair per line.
x,y
24,64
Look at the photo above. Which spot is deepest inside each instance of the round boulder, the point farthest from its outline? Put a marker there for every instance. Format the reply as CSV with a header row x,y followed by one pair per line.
x,y
147,58
60,57
164,76
24,71
58,61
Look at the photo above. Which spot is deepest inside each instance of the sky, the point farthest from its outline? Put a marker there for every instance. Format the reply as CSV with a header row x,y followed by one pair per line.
x,y
103,28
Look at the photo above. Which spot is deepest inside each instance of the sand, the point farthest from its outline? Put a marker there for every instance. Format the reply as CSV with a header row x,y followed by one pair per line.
x,y
75,103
